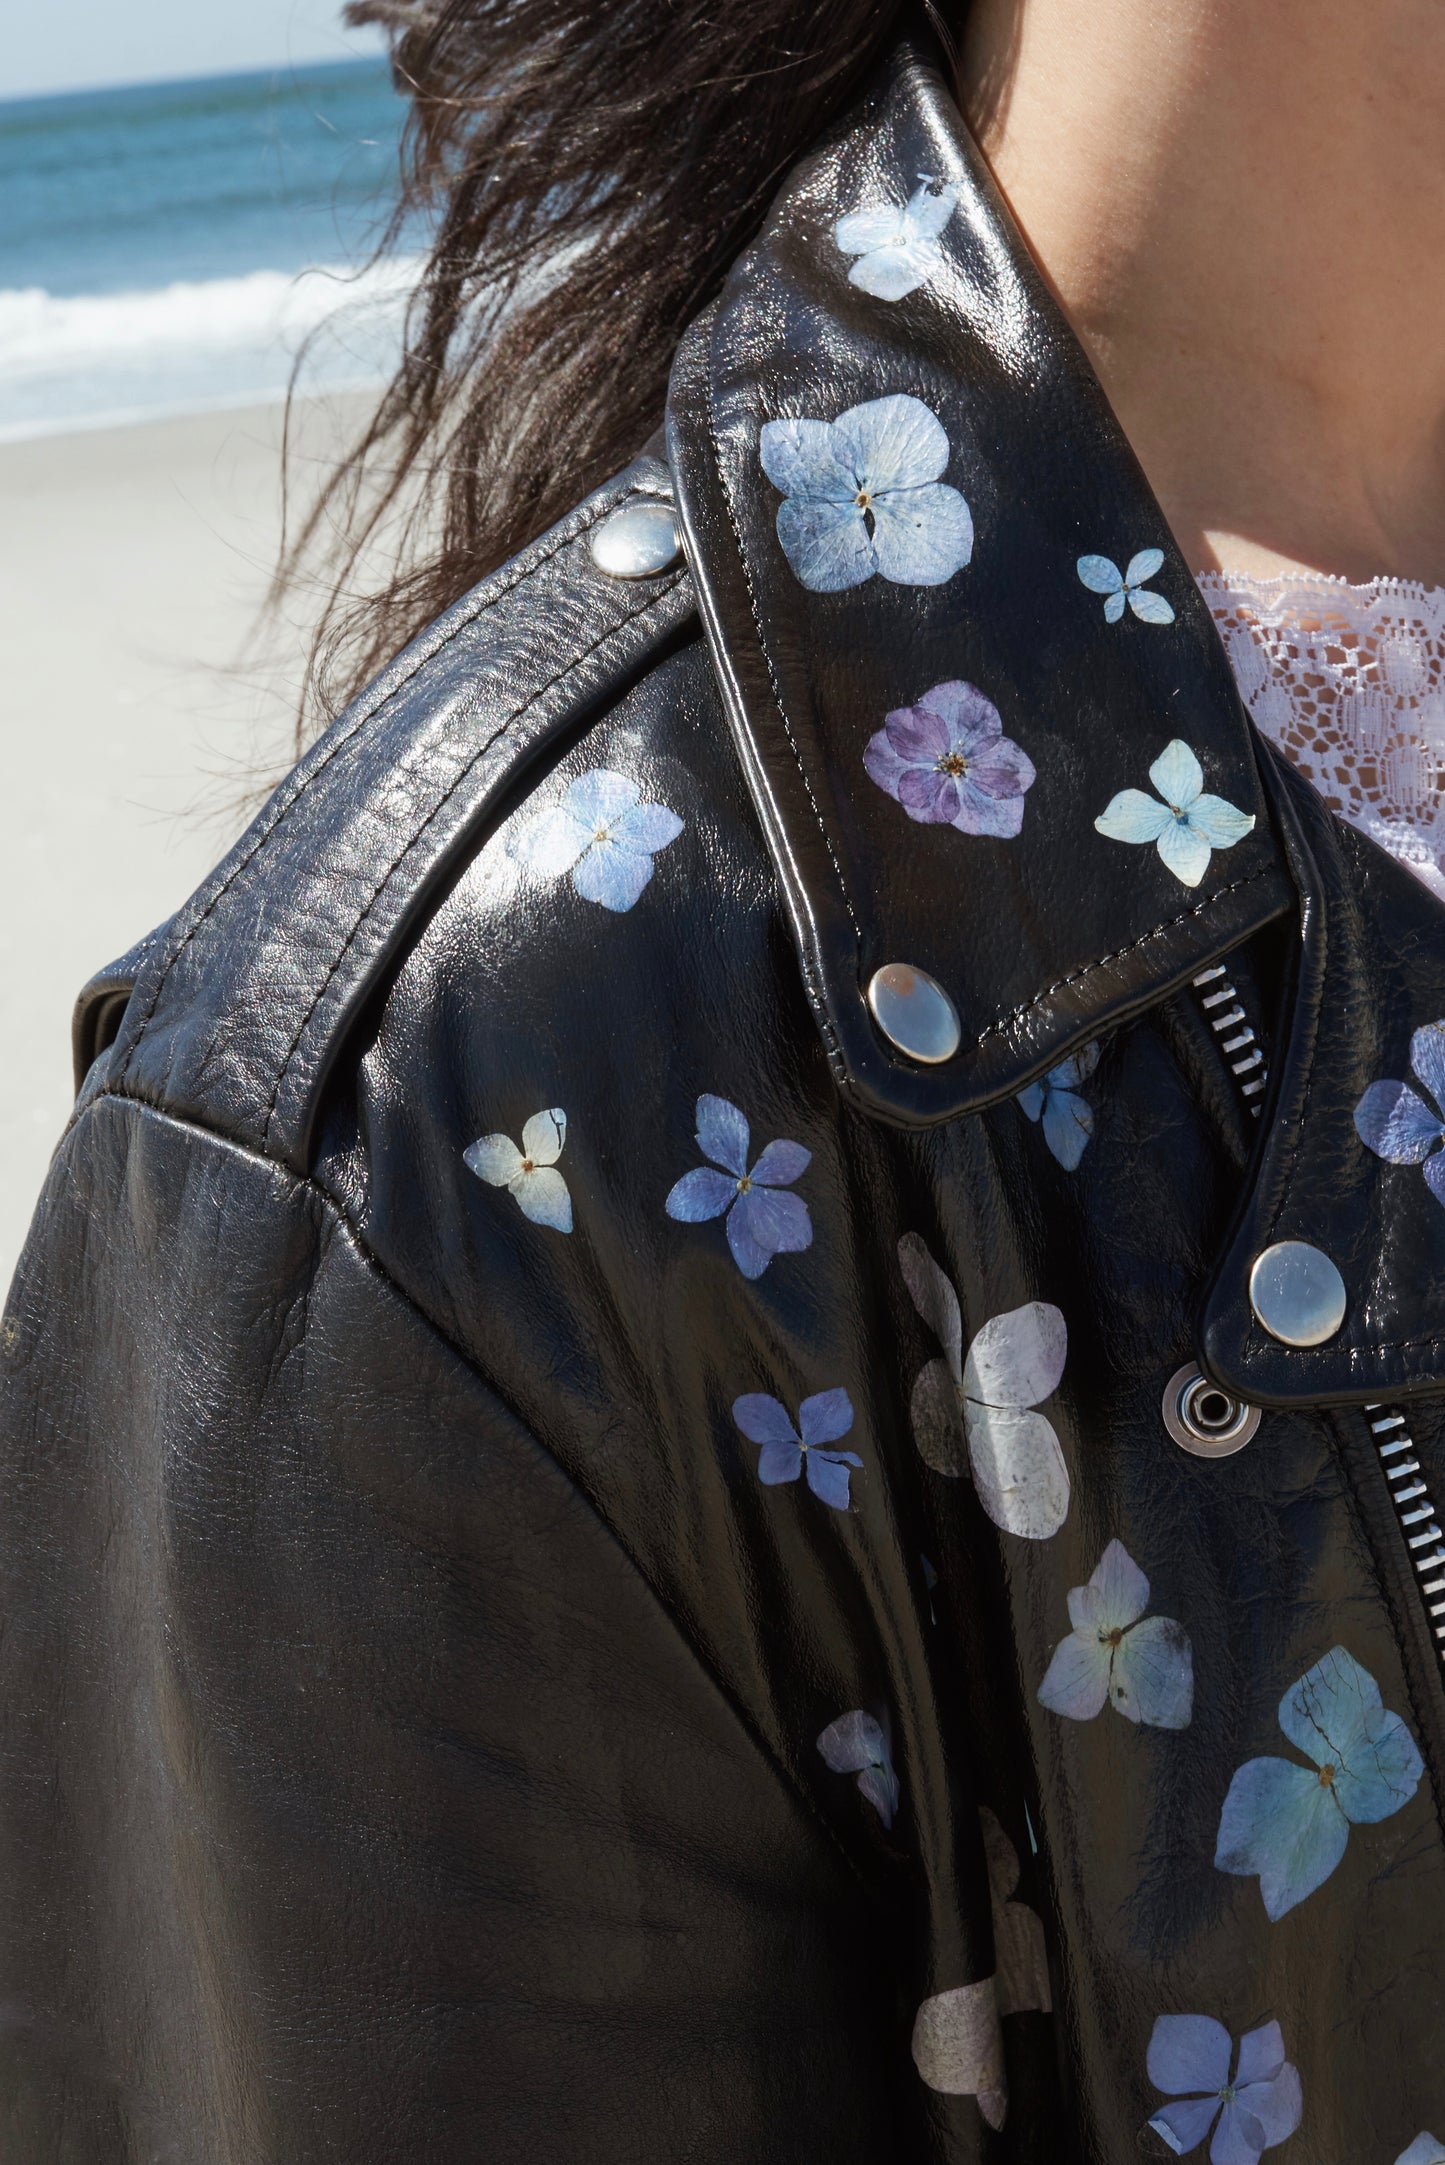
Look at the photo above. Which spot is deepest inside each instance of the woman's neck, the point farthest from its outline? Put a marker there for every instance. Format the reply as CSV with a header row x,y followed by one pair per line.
x,y
1241,204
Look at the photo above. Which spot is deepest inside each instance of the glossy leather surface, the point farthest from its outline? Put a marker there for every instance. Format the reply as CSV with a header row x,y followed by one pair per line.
x,y
409,1692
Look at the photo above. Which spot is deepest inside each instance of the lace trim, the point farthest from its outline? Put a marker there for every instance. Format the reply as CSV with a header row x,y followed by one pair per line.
x,y
1349,682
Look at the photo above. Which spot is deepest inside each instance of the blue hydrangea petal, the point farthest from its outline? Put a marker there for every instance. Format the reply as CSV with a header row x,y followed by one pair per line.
x,y
1153,1679
1121,1589
1435,1176
1396,1124
1184,852
1143,565
763,1419
1189,2052
1101,575
973,721
1221,823
1077,1068
1068,1124
1149,607
929,210
1185,2123
550,844
1261,2055
1133,817
700,1194
1238,2136
805,458
922,536
774,1219
1282,1822
723,1134
751,1258
827,544
779,1463
612,875
544,1198
1177,775
880,225
600,797
781,1164
828,1473
1018,1470
1076,1683
1427,1059
648,827
1031,1098
1017,1358
1424,2150
1383,1775
544,1135
1277,2104
493,1158
881,1787
852,1742
1328,1713
1114,607
891,274
825,1416
892,443
981,812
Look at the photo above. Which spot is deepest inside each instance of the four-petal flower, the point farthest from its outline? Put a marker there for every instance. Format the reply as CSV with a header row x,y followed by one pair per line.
x,y
856,1744
897,244
1068,1118
763,1220
1187,826
948,762
1400,1126
602,835
1143,1665
531,1172
862,494
788,1452
1290,1823
1257,2106
1101,575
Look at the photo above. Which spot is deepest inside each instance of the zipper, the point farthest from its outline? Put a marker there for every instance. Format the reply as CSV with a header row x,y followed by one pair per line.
x,y
1224,1012
1415,1513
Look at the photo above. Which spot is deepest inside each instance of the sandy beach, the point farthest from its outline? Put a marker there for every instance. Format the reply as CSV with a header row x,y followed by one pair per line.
x,y
141,720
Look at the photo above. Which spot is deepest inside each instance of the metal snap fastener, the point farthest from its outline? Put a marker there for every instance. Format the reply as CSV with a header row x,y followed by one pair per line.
x,y
1204,1419
637,541
914,1013
1297,1293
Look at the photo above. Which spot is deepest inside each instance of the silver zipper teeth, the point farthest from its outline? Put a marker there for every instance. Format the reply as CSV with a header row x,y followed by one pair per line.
x,y
1415,1510
1237,1041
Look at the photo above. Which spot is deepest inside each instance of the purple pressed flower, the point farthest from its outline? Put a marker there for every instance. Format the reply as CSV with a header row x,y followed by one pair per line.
x,y
762,1219
948,762
1259,2106
1402,1127
857,1743
788,1452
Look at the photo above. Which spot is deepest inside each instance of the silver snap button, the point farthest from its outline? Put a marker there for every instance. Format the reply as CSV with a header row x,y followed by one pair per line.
x,y
637,541
1204,1419
914,1013
1297,1293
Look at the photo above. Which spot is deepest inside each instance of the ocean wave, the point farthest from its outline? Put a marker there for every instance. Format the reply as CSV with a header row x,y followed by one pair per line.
x,y
70,361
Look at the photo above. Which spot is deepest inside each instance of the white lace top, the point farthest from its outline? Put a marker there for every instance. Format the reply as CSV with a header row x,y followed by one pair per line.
x,y
1349,682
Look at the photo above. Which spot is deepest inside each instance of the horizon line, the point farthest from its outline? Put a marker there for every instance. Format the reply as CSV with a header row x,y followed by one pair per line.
x,y
290,66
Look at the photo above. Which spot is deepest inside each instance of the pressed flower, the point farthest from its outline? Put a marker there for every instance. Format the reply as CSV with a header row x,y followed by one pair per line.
x,y
531,1172
1141,1665
1187,826
948,762
1424,2150
1251,2110
603,835
977,1416
1101,575
1068,1118
787,1452
1018,1934
1402,1127
897,244
957,2046
763,1219
856,1744
862,494
1289,1823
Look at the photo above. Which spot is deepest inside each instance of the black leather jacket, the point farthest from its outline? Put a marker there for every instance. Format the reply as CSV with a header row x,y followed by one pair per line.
x,y
599,1565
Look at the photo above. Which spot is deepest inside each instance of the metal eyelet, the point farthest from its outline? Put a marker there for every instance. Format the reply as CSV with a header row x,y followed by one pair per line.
x,y
1203,1419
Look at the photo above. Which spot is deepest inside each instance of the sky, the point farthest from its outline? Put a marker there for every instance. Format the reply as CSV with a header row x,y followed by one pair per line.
x,y
85,44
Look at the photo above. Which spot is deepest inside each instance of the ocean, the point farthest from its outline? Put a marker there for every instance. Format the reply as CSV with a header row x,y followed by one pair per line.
x,y
171,247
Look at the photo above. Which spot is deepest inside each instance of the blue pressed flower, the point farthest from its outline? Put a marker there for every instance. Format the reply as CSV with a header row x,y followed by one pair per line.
x,y
763,1220
1101,575
531,1172
948,762
1290,1823
1142,1665
1187,826
1068,1119
602,835
1424,2150
862,494
1250,2110
1403,1128
856,1744
788,1452
897,244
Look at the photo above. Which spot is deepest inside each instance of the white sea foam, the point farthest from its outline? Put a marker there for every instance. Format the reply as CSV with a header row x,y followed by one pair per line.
x,y
91,359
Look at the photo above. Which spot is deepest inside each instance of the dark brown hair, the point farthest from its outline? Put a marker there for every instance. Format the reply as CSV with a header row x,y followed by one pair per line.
x,y
591,167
